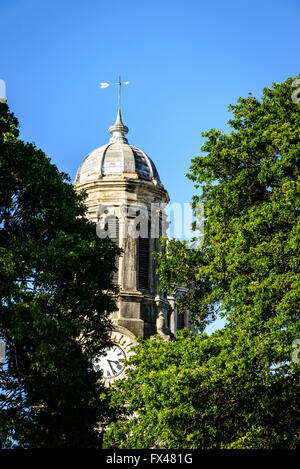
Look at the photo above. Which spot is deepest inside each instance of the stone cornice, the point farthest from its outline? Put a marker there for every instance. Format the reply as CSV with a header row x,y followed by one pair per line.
x,y
122,184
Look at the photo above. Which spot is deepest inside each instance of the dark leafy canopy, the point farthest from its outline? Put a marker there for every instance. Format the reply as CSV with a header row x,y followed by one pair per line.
x,y
204,392
250,191
237,388
54,312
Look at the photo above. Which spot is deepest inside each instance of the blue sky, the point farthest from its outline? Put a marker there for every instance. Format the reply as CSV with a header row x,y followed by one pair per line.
x,y
186,61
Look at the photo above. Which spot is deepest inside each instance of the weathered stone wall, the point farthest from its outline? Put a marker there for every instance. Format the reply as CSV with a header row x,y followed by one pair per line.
x,y
138,308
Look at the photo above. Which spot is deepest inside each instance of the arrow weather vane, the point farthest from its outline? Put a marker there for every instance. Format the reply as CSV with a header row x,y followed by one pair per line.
x,y
119,83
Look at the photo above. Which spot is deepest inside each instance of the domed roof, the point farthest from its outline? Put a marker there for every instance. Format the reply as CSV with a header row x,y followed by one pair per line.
x,y
117,157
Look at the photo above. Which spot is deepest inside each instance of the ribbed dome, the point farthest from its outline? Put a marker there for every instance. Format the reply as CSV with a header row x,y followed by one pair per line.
x,y
117,157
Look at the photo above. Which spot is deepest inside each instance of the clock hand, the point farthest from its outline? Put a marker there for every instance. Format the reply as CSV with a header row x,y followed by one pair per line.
x,y
116,363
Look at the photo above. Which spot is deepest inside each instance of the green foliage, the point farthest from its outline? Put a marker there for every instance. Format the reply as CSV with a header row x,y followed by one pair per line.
x,y
54,310
204,392
237,388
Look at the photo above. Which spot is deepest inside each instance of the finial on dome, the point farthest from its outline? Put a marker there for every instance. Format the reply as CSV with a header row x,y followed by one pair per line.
x,y
118,130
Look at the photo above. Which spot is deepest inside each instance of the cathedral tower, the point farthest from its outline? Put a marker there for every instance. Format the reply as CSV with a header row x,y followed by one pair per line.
x,y
126,199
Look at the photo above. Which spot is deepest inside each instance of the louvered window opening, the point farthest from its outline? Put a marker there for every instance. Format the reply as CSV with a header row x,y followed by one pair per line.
x,y
143,263
112,228
180,321
143,259
161,248
160,225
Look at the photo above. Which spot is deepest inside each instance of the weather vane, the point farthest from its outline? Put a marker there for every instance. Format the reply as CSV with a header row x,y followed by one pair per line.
x,y
119,83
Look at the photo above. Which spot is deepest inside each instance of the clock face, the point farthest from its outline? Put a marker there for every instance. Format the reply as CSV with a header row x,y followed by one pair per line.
x,y
111,362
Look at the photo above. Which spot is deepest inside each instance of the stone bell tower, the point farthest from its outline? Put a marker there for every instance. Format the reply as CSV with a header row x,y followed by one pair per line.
x,y
126,199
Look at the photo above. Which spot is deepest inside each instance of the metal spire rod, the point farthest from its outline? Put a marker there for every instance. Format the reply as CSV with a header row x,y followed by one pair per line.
x,y
119,83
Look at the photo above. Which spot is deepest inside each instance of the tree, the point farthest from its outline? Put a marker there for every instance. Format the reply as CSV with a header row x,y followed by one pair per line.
x,y
55,275
239,387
